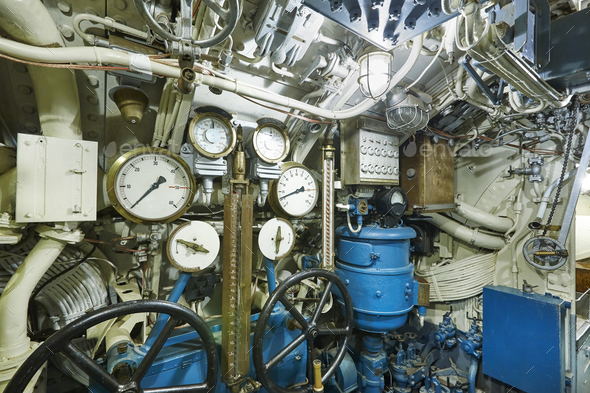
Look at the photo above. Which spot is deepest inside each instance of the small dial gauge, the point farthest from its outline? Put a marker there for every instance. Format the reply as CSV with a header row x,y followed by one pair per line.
x,y
270,143
193,246
276,239
295,193
150,185
212,135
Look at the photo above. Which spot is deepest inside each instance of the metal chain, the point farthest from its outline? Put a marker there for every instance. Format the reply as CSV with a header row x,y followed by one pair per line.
x,y
573,122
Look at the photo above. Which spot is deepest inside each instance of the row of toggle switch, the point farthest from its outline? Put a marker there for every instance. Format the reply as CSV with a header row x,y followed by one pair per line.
x,y
378,152
379,169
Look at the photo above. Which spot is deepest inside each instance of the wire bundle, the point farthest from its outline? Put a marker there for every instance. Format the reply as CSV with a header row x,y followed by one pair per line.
x,y
456,280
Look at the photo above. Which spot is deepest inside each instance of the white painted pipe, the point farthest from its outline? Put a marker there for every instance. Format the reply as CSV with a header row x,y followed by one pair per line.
x,y
470,236
478,216
56,90
95,55
8,191
14,301
548,192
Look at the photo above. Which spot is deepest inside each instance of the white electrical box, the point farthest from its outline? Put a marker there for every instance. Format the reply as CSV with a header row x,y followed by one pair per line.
x,y
56,179
369,152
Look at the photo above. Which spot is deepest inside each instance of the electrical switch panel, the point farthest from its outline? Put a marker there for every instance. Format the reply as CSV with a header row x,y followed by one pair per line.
x,y
370,153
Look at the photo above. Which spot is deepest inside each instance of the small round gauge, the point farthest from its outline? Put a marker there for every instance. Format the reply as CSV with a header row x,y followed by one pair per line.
x,y
276,239
193,246
148,185
295,193
270,143
212,135
392,202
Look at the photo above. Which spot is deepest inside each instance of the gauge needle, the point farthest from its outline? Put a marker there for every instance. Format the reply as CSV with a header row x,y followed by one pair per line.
x,y
278,240
154,186
297,191
193,246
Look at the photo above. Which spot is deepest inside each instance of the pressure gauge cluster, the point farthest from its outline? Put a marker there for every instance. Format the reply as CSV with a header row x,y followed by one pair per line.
x,y
295,193
212,134
269,141
149,185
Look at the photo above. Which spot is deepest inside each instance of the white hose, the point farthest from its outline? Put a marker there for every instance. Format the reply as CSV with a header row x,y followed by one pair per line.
x,y
15,297
101,56
108,24
456,280
480,217
516,104
470,236
359,226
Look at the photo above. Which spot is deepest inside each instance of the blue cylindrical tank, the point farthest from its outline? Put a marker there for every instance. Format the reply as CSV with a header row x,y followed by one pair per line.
x,y
375,266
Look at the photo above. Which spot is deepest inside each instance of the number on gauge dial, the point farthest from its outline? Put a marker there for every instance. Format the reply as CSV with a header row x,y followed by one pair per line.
x,y
297,191
153,187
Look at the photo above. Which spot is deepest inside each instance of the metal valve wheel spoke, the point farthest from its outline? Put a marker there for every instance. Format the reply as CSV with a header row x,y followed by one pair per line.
x,y
545,253
310,330
61,342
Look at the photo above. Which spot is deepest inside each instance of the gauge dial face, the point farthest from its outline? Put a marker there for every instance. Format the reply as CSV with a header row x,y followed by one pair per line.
x,y
212,135
296,191
276,239
193,246
271,143
397,198
151,186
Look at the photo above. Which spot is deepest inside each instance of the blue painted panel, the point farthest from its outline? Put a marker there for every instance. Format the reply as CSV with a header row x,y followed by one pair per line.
x,y
524,339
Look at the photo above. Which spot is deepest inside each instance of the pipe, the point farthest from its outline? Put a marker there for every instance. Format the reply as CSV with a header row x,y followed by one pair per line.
x,y
102,55
516,104
15,298
480,217
163,318
56,90
573,352
472,374
270,275
108,23
8,191
547,195
471,236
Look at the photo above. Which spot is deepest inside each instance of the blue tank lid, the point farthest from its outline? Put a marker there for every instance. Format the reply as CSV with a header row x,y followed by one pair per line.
x,y
375,232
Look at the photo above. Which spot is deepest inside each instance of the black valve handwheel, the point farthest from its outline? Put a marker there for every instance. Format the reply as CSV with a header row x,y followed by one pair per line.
x,y
229,16
60,342
309,329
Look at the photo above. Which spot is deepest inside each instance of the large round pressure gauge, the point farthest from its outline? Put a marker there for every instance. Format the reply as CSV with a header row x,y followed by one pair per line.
x,y
193,246
295,193
149,185
276,239
270,143
212,135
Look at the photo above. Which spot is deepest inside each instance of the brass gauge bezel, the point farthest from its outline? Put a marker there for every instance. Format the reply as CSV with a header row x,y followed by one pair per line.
x,y
114,172
282,131
273,198
191,134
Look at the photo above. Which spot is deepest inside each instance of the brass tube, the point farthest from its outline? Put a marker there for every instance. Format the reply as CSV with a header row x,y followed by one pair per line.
x,y
317,376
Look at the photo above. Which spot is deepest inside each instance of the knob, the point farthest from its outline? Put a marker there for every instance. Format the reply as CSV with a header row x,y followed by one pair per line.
x,y
371,169
377,152
389,170
396,154
363,168
390,153
371,151
377,169
395,171
363,149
